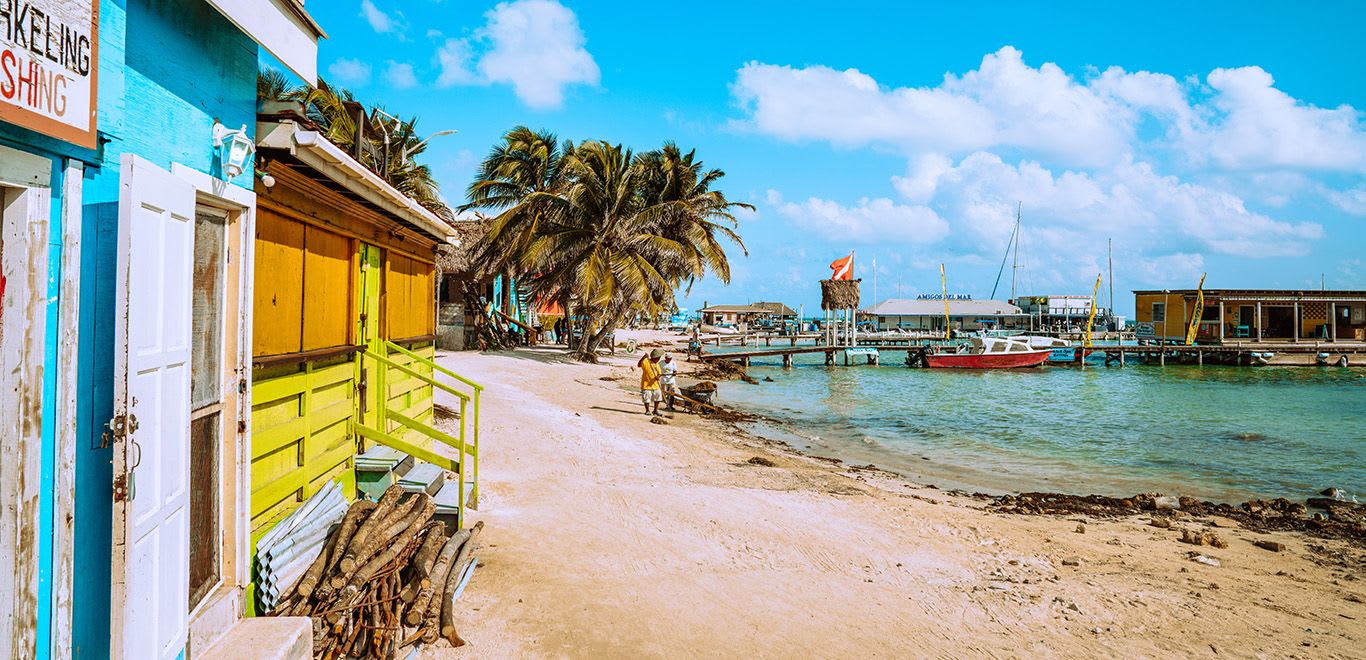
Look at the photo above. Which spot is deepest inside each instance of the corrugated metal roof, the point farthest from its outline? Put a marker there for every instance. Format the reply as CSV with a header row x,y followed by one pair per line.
x,y
916,307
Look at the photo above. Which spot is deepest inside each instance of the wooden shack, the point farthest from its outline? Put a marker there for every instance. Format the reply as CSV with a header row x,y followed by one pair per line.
x,y
345,268
1252,315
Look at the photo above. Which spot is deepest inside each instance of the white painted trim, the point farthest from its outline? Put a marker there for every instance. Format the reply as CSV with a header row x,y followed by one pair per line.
x,y
206,185
281,27
319,153
23,312
23,169
242,203
69,335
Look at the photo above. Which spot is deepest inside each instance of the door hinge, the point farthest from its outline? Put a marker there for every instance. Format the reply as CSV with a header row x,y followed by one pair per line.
x,y
242,386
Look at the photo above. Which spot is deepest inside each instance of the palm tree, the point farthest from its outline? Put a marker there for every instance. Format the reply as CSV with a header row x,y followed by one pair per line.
x,y
517,179
335,110
616,231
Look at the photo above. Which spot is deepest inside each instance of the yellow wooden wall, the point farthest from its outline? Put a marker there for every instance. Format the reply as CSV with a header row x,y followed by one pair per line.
x,y
303,287
301,436
409,297
410,396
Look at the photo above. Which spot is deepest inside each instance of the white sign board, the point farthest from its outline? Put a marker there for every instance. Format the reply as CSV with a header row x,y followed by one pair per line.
x,y
48,67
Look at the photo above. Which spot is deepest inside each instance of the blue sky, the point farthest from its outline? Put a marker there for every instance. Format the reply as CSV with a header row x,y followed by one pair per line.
x,y
1226,138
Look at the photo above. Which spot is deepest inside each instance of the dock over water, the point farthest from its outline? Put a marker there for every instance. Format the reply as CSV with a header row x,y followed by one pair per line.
x,y
1336,354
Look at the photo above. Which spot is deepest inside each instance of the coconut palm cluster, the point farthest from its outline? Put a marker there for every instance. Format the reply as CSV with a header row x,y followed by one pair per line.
x,y
610,233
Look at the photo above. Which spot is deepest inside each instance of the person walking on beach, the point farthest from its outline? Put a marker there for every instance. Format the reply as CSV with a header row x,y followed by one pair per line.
x,y
649,381
668,379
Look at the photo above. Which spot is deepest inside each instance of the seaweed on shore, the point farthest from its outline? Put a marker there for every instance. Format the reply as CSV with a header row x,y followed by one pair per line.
x,y
1343,520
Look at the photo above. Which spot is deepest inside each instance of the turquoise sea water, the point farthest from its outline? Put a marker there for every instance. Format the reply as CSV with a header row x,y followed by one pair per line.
x,y
1222,433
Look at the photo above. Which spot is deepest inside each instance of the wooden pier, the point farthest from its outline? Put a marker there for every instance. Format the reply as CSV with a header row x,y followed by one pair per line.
x,y
1328,354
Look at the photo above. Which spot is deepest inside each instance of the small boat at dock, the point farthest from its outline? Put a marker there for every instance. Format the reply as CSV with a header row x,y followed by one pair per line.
x,y
989,353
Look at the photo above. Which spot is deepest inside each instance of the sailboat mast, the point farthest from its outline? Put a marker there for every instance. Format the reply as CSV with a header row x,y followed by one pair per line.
x,y
1110,250
1015,266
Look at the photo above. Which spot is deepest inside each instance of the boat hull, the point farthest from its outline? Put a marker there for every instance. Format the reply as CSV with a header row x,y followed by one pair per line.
x,y
1015,360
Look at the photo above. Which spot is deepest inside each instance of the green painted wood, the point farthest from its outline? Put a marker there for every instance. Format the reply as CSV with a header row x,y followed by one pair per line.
x,y
407,447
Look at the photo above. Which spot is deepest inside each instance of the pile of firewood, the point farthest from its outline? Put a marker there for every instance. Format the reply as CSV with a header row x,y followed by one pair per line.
x,y
385,579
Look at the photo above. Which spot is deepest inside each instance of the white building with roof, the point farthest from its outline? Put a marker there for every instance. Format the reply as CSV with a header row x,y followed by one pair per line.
x,y
927,313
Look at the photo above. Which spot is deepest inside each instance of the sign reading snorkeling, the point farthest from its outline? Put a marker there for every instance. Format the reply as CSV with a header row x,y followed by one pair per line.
x,y
48,67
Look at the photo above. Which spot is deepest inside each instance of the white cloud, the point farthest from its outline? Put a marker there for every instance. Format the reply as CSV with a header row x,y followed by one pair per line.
x,y
1074,212
1238,120
869,221
1260,126
349,72
1351,201
400,75
1004,102
380,21
538,48
453,60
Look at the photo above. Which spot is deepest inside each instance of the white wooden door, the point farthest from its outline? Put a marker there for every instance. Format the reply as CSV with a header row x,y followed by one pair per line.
x,y
152,406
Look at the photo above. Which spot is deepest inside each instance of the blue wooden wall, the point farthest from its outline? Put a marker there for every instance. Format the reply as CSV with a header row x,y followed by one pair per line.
x,y
168,69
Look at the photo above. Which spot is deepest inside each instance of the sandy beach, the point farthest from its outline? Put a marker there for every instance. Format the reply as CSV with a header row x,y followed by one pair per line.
x,y
608,536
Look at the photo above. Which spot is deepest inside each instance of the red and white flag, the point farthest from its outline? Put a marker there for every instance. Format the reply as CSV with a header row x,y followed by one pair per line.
x,y
844,268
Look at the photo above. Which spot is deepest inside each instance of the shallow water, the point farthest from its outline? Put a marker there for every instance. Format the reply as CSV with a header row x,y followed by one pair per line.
x,y
1223,433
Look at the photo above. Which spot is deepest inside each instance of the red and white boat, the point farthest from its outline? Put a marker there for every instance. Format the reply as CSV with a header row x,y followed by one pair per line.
x,y
990,353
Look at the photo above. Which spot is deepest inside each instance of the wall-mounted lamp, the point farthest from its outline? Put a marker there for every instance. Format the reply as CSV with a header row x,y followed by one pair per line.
x,y
234,148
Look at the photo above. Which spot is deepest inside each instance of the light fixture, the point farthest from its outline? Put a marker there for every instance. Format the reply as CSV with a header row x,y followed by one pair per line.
x,y
234,148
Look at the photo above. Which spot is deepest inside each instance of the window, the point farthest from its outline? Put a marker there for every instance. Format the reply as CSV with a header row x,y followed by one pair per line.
x,y
206,400
1160,312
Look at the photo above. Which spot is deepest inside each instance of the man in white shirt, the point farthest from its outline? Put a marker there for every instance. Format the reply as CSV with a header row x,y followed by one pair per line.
x,y
668,379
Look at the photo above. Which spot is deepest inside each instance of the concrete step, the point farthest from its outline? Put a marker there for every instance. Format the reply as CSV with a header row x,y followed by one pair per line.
x,y
423,478
265,638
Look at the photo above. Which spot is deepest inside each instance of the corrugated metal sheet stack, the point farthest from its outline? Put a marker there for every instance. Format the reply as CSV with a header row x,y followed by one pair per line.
x,y
287,550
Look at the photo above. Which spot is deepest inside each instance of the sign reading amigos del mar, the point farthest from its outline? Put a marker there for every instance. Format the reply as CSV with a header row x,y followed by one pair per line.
x,y
48,67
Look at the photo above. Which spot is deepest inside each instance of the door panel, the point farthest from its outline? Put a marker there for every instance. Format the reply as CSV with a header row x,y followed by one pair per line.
x,y
152,394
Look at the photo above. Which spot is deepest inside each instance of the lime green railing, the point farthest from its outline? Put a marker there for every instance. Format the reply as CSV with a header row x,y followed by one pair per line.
x,y
472,398
466,443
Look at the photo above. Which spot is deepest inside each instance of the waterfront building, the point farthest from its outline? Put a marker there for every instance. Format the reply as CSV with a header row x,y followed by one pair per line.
x,y
1064,312
738,316
129,204
1252,315
926,313
777,312
344,332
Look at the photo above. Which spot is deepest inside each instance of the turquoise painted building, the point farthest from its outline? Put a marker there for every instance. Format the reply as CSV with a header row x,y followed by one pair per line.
x,y
126,263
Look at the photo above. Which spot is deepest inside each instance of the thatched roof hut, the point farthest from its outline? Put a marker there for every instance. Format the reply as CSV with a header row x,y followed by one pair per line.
x,y
840,294
458,259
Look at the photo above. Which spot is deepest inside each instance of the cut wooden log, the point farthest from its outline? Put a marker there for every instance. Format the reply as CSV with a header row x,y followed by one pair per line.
x,y
416,514
396,545
422,562
452,581
306,584
350,523
377,518
417,612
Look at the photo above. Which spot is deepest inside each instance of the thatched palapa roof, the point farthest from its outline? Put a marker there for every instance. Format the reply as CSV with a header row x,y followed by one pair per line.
x,y
840,294
458,258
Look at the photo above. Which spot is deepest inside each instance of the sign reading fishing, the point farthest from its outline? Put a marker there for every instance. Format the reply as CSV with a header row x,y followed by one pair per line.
x,y
48,62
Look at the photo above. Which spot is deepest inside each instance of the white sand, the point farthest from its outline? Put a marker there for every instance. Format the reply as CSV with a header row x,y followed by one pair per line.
x,y
609,536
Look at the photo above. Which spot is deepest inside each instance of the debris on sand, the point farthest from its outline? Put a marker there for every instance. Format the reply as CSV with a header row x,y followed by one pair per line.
x,y
1203,537
760,460
1344,520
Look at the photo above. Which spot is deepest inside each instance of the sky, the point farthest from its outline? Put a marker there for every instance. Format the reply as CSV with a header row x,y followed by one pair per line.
x,y
1225,138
